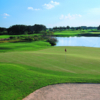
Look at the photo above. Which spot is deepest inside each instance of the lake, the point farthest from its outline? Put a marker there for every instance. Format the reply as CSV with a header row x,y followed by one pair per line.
x,y
78,41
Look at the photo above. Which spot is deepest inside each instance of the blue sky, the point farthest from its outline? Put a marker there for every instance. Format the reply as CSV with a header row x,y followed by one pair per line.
x,y
50,12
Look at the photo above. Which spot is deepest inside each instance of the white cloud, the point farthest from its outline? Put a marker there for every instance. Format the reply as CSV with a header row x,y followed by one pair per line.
x,y
55,3
62,17
94,11
51,5
5,15
69,16
31,8
80,15
48,6
36,9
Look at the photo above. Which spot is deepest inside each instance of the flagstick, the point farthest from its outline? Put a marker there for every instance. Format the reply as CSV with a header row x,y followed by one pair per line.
x,y
65,56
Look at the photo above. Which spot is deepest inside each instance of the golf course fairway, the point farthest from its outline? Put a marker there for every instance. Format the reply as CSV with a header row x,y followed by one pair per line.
x,y
22,72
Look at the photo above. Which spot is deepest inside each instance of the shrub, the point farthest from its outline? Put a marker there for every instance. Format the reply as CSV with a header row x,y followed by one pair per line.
x,y
12,37
47,32
27,39
52,41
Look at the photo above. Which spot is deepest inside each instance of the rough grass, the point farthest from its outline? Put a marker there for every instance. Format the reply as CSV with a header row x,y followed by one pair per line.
x,y
22,72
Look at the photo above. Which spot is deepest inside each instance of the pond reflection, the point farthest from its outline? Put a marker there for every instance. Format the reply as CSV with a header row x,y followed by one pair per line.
x,y
78,41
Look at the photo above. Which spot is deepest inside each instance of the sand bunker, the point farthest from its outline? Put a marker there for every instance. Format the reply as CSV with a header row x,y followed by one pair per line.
x,y
67,92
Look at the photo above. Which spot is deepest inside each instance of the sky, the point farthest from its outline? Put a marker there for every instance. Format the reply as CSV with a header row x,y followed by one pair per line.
x,y
50,13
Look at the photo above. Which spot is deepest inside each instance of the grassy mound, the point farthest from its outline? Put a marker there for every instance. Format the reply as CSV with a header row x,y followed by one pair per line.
x,y
22,72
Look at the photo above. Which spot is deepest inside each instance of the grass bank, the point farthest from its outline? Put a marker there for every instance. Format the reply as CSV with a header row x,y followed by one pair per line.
x,y
67,33
23,71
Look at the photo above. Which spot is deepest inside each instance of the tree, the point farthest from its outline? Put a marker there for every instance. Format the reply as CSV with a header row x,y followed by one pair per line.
x,y
17,29
72,28
68,27
78,28
55,28
98,28
30,29
37,28
3,31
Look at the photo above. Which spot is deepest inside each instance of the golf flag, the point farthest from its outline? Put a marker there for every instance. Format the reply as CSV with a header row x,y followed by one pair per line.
x,y
65,50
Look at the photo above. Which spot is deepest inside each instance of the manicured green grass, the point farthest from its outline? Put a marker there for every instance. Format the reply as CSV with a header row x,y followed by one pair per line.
x,y
26,46
7,36
4,36
67,33
22,72
74,32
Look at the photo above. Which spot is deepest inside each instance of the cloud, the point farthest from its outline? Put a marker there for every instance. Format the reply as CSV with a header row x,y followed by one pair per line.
x,y
51,5
5,15
62,17
94,11
69,16
31,8
48,6
36,9
54,3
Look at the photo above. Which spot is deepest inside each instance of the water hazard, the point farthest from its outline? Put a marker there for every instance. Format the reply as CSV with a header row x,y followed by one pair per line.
x,y
79,41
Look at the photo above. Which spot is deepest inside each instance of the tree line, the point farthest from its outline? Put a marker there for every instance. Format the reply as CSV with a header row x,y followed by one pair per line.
x,y
22,29
45,35
37,28
72,28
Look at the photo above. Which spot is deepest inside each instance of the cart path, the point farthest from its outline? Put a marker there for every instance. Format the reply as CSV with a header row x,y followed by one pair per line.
x,y
66,92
